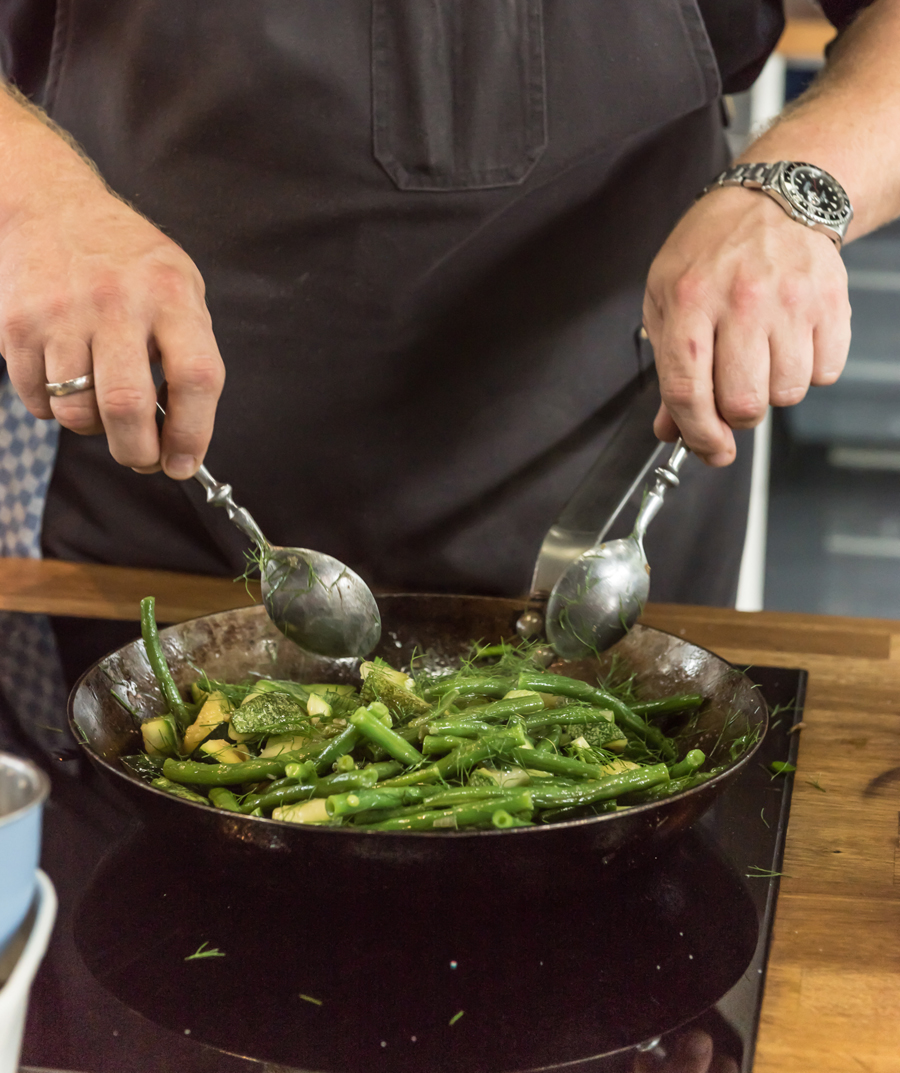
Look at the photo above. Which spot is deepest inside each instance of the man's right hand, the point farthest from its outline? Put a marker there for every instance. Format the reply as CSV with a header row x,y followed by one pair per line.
x,y
89,285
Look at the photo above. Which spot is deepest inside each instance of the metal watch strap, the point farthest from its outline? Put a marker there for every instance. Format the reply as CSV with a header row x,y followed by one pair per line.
x,y
755,176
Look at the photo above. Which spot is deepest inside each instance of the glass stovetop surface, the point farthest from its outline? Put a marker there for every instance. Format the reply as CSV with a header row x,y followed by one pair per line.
x,y
473,974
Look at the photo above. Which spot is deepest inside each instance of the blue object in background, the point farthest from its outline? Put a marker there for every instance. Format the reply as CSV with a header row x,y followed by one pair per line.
x,y
23,790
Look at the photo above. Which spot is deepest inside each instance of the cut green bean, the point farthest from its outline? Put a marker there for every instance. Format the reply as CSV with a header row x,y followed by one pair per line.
x,y
372,728
682,702
177,790
461,728
694,760
349,804
157,660
503,820
200,774
344,743
224,799
546,795
502,710
569,715
438,744
557,765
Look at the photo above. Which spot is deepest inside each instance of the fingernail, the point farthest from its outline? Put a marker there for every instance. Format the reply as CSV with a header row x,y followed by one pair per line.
x,y
723,458
180,466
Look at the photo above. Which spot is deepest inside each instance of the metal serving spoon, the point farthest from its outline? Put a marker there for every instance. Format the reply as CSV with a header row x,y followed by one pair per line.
x,y
317,602
600,596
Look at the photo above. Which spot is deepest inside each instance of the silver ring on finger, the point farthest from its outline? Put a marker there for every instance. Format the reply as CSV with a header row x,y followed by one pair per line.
x,y
71,387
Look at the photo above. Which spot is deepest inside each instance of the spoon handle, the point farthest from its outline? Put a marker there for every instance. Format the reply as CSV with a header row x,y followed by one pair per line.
x,y
666,478
219,495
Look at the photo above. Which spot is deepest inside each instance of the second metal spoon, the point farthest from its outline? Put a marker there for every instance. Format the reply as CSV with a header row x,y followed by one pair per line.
x,y
599,598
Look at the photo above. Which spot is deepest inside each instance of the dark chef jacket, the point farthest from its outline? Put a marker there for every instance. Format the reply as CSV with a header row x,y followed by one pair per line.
x,y
425,228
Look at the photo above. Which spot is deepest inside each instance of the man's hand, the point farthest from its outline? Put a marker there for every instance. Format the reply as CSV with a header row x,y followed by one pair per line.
x,y
745,307
87,284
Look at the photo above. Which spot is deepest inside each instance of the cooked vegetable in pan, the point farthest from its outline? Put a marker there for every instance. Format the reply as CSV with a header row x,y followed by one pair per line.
x,y
498,742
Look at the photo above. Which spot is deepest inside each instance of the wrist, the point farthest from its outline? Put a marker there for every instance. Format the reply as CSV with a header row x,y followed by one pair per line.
x,y
805,192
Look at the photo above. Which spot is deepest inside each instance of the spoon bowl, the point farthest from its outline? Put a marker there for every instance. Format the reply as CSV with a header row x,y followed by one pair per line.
x,y
602,594
598,599
318,603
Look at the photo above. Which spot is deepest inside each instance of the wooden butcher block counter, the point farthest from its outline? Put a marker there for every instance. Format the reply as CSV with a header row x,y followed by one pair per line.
x,y
832,1000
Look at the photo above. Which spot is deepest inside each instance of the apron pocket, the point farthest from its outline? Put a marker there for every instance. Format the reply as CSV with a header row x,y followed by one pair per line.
x,y
458,93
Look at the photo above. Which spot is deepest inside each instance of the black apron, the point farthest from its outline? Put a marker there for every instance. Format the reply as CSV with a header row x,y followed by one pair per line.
x,y
425,228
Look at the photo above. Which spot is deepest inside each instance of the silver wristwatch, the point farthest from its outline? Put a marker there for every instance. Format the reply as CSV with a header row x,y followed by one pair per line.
x,y
806,193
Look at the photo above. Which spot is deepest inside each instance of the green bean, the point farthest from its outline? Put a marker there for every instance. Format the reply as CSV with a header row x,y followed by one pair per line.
x,y
350,804
287,795
466,815
384,769
177,790
557,765
668,789
345,742
305,771
549,743
224,799
462,728
372,727
604,789
476,687
502,820
279,784
682,702
568,715
191,771
160,667
695,759
501,710
438,744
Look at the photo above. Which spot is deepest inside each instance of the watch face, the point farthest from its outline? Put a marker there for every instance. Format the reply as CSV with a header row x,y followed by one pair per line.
x,y
816,194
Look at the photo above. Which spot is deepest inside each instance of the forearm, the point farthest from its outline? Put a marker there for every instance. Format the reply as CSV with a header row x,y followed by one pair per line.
x,y
847,121
39,161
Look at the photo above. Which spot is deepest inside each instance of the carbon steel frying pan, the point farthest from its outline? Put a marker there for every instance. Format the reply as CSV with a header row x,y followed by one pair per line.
x,y
233,644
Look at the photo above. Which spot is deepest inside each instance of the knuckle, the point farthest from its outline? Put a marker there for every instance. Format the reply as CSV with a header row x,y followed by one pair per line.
x,y
170,284
18,326
76,415
793,292
680,392
202,375
123,403
747,293
743,410
135,458
788,396
689,289
107,293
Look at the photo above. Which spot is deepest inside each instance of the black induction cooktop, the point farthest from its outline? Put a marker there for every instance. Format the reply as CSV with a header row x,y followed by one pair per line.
x,y
632,970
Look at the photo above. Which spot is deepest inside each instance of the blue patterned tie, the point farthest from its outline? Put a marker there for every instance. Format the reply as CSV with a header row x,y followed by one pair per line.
x,y
31,680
